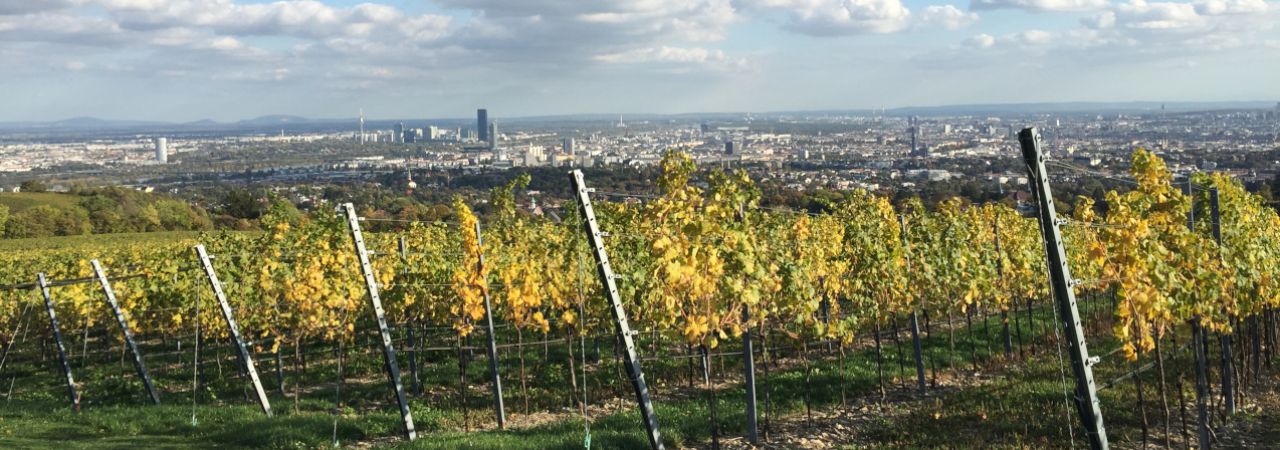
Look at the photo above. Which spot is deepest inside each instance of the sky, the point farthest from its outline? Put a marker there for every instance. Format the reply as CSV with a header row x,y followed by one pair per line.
x,y
186,60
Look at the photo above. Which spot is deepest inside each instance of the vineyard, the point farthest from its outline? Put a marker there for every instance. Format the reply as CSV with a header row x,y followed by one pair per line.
x,y
691,317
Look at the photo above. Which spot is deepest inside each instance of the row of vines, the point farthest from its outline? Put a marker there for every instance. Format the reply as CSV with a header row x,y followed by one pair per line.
x,y
700,263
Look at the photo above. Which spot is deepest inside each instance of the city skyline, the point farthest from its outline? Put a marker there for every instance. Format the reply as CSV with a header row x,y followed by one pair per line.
x,y
188,60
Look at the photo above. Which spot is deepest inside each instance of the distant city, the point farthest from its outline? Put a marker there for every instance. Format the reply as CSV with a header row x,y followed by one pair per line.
x,y
873,150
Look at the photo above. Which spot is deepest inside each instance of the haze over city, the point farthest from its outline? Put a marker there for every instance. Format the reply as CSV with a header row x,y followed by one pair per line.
x,y
228,60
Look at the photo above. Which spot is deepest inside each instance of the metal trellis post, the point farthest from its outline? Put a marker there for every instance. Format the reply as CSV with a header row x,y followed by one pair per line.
x,y
1198,343
749,379
230,317
749,368
605,270
915,318
1004,313
388,352
124,328
57,337
1228,373
498,407
1086,398
412,349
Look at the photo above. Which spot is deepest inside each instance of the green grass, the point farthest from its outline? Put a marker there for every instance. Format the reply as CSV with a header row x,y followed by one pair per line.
x,y
1019,403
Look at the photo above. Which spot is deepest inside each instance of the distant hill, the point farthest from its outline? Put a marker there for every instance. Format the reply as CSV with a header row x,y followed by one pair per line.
x,y
268,122
277,120
1076,107
82,123
203,123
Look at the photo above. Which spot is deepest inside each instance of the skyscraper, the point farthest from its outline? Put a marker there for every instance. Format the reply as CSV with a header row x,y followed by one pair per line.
x,y
915,132
362,137
162,150
728,147
482,124
492,135
399,136
568,145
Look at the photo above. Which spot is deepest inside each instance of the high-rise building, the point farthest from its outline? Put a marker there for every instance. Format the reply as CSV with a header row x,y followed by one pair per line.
x,y
410,136
533,157
482,124
399,136
728,147
915,132
567,146
492,136
362,136
162,150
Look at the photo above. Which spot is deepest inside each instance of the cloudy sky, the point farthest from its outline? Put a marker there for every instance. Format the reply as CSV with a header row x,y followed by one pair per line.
x,y
182,60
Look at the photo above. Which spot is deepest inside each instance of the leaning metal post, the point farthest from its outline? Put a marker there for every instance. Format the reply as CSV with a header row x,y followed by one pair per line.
x,y
388,352
499,409
234,329
596,240
57,337
124,328
1087,404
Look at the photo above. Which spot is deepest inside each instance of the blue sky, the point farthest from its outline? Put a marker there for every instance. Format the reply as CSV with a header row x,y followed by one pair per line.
x,y
181,60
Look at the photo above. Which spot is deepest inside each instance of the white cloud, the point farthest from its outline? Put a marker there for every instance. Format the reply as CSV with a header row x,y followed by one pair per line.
x,y
692,20
1033,37
981,41
60,28
472,48
947,17
301,18
1143,15
1101,20
1040,5
1024,39
11,7
853,17
371,38
674,55
1138,31
840,17
1222,7
226,43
